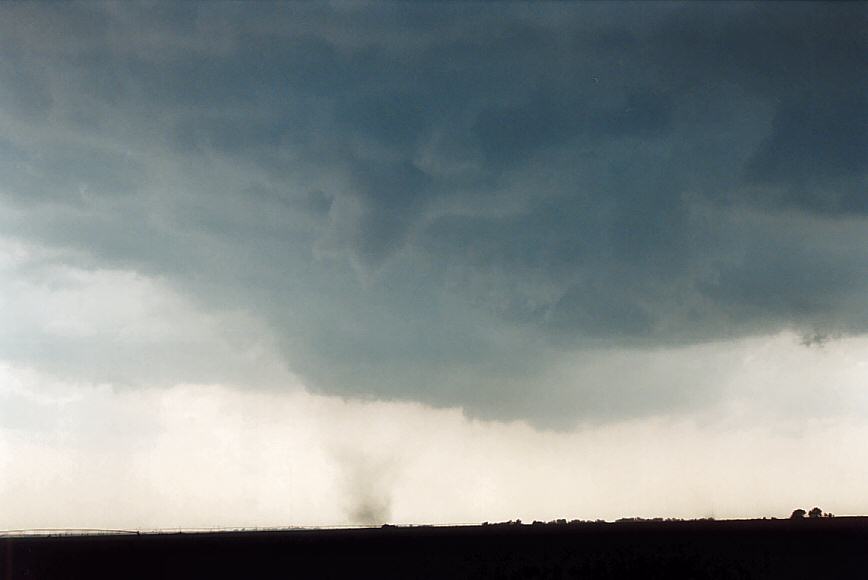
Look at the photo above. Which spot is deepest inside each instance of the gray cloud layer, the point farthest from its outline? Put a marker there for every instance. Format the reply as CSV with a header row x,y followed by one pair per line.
x,y
445,202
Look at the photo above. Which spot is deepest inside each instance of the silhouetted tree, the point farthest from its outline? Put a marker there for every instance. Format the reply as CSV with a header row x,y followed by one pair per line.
x,y
815,513
798,514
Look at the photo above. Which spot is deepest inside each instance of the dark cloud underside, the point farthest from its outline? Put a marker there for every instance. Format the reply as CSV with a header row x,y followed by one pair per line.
x,y
445,202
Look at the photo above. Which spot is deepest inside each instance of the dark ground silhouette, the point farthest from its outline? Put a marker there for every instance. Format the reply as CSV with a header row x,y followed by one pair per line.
x,y
823,548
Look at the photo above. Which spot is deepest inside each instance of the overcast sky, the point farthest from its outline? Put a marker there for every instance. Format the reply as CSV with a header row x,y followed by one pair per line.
x,y
342,263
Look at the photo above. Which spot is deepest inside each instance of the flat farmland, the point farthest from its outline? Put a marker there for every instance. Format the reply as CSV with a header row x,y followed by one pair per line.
x,y
822,548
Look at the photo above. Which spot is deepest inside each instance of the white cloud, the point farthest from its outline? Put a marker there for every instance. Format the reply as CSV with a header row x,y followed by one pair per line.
x,y
210,455
123,326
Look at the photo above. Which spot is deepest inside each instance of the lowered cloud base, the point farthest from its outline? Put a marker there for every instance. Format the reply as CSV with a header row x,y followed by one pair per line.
x,y
196,456
775,425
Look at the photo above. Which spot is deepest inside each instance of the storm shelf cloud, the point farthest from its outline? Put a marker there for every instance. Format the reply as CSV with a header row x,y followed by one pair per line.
x,y
439,202
544,213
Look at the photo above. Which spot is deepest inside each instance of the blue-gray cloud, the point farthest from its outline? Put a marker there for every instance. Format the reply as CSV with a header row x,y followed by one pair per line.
x,y
441,202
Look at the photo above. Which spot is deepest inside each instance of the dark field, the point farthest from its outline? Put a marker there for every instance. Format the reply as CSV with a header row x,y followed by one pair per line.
x,y
818,549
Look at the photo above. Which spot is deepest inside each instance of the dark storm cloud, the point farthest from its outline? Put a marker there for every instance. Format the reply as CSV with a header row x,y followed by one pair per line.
x,y
442,202
815,157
